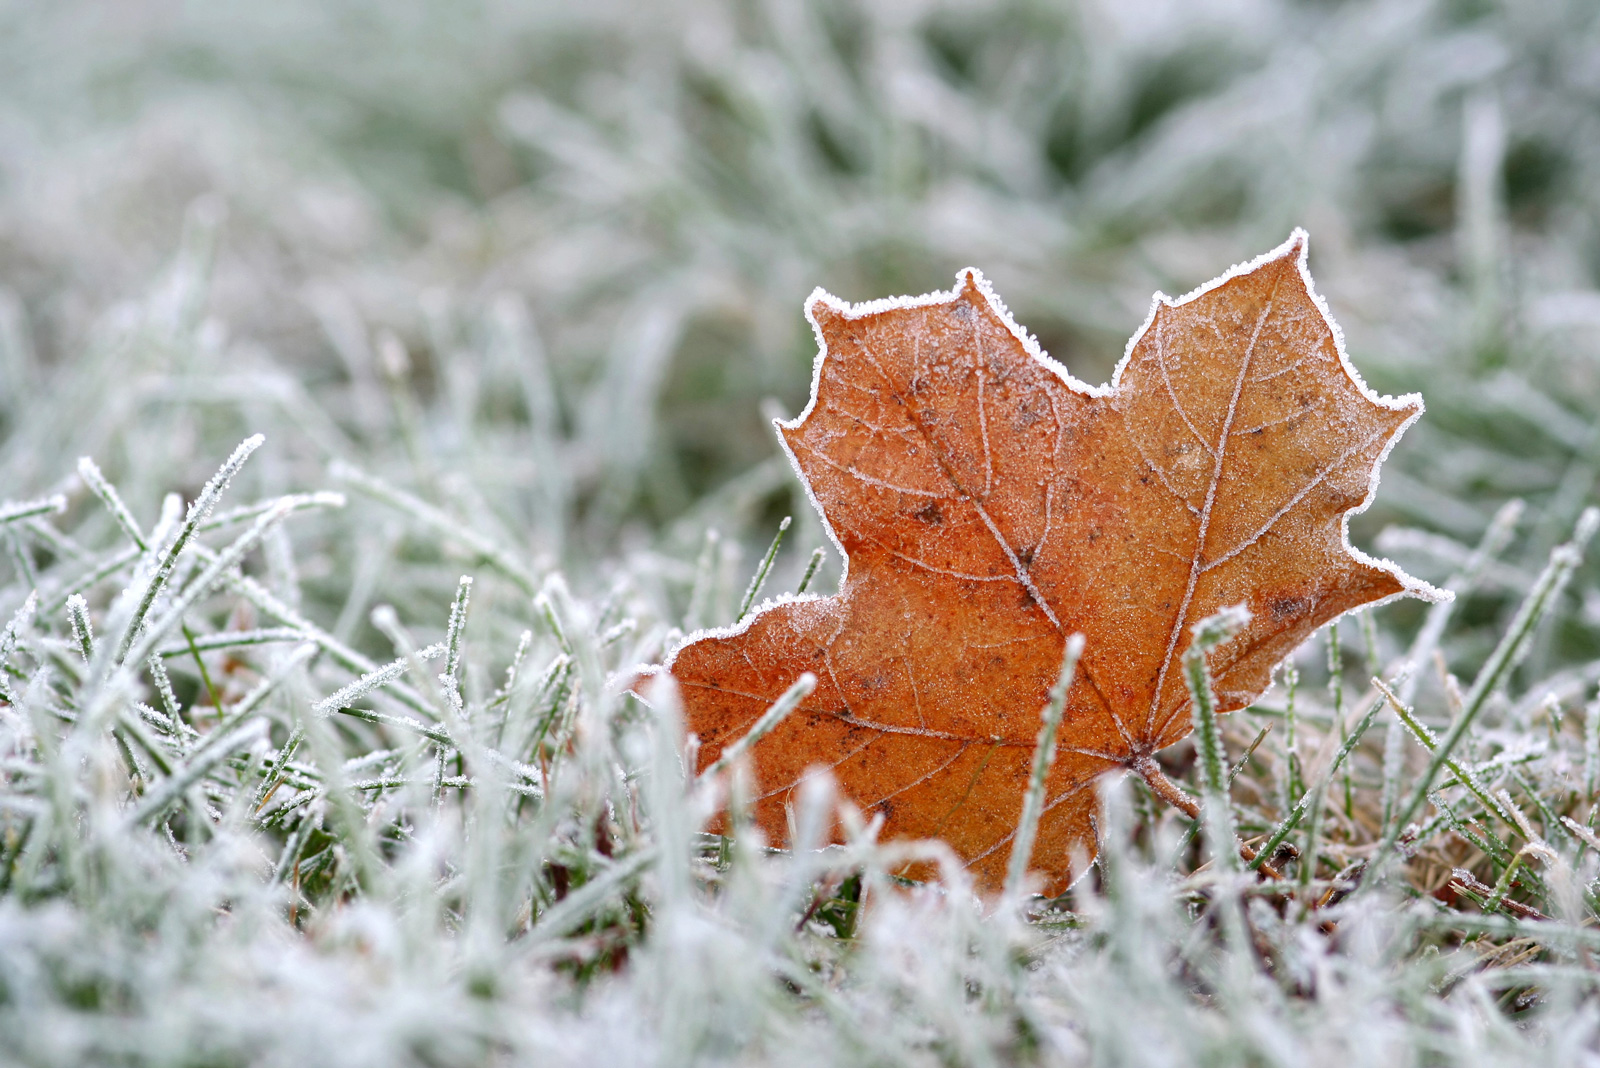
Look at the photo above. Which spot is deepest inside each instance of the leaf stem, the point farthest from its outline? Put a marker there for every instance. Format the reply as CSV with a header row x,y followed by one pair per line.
x,y
1174,795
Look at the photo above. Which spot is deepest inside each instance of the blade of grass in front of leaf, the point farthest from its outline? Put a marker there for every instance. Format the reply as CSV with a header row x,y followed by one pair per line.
x,y
1215,807
1044,755
774,715
760,577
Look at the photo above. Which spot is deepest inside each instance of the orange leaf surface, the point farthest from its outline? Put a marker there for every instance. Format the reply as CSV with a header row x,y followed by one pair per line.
x,y
989,505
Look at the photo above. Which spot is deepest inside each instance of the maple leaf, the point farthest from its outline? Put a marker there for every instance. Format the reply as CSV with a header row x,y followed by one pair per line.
x,y
989,505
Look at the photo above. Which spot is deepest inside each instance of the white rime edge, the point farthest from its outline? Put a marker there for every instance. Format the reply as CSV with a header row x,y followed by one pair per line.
x,y
1411,586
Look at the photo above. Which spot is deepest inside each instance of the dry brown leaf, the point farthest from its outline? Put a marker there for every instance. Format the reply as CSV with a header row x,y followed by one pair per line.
x,y
989,505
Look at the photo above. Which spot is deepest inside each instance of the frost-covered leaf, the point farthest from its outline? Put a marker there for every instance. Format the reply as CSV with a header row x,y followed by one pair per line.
x,y
989,505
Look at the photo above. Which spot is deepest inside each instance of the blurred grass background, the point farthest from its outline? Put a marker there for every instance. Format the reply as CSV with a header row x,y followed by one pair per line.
x,y
542,267
645,194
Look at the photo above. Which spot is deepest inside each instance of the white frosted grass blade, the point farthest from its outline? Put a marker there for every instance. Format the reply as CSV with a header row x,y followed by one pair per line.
x,y
1429,741
347,815
16,511
665,791
63,547
817,555
131,723
233,639
1217,808
297,502
89,471
811,819
198,511
519,341
1287,825
430,731
1496,536
82,631
388,673
704,576
21,559
545,602
500,696
167,521
386,621
268,602
575,626
451,679
1044,755
490,553
532,775
202,586
451,709
779,711
158,674
760,577
159,720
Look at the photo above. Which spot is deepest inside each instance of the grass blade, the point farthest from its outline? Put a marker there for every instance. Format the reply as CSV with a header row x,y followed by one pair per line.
x,y
1044,756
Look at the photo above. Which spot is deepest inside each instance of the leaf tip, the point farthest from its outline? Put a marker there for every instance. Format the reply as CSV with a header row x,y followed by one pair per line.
x,y
973,286
824,312
1298,245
